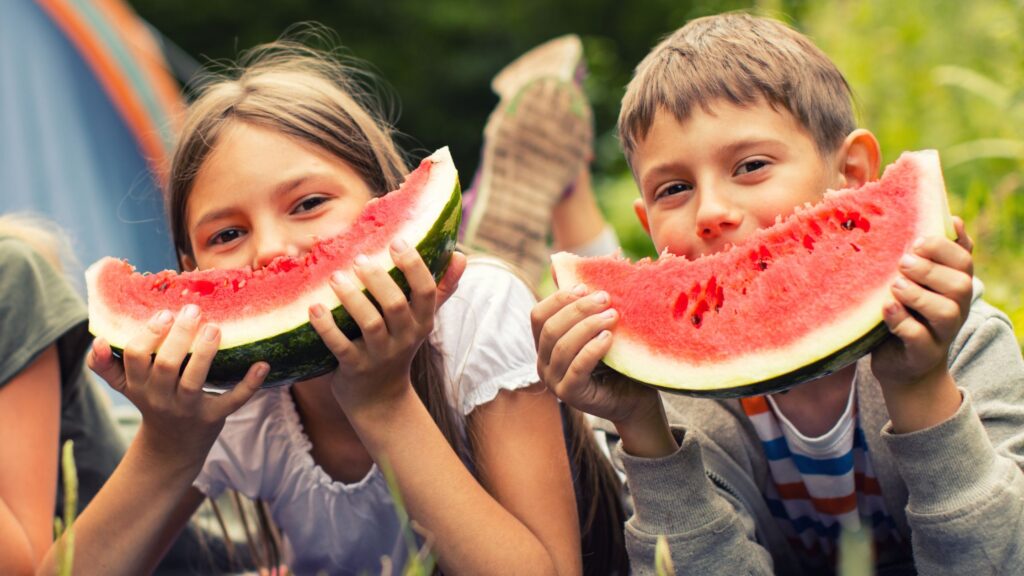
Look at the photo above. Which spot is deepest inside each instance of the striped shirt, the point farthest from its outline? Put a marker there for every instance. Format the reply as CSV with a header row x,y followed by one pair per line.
x,y
821,485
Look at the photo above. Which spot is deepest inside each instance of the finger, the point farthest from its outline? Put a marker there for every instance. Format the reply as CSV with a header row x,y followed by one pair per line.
x,y
945,252
100,360
961,234
171,355
422,289
937,313
547,308
233,399
577,377
138,354
450,281
198,367
943,280
576,339
323,322
563,320
359,307
903,324
394,307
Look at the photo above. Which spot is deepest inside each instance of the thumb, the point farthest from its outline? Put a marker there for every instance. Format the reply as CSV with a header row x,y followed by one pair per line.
x,y
101,360
450,281
233,399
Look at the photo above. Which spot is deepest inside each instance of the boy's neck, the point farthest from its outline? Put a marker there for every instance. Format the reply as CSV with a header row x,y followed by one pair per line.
x,y
814,407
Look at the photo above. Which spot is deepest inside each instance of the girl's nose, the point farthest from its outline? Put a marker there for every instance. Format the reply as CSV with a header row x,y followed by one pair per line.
x,y
270,244
715,214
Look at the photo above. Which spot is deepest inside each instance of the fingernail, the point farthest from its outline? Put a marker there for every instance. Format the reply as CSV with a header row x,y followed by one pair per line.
x,y
579,290
163,317
918,242
608,314
362,260
601,297
900,284
399,246
261,370
341,280
908,260
190,311
604,335
210,332
317,310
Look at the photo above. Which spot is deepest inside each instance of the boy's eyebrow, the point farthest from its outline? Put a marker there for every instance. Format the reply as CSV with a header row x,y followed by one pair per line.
x,y
726,151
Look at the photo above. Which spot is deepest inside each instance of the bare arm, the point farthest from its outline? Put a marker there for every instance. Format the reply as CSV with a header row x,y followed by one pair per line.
x,y
29,434
522,520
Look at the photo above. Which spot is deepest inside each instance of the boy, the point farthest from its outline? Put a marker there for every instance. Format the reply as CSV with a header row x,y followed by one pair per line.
x,y
729,122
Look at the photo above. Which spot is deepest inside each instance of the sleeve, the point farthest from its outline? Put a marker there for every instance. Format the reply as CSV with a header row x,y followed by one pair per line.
x,y
484,334
964,476
37,307
706,527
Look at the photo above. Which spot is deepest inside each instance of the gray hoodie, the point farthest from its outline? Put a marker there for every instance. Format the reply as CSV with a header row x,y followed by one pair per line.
x,y
955,491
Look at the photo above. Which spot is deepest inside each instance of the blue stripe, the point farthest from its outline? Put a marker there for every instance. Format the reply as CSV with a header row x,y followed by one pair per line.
x,y
776,449
828,467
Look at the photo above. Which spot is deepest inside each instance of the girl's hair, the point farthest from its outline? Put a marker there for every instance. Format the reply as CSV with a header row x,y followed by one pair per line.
x,y
312,96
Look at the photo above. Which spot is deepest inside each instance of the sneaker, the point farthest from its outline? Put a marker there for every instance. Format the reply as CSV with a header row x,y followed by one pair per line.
x,y
536,142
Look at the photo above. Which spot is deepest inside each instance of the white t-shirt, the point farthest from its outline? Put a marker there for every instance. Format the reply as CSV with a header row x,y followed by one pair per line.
x,y
483,334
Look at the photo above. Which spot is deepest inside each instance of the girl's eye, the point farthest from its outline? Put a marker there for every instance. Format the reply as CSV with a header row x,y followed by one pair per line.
x,y
672,189
225,236
308,204
751,166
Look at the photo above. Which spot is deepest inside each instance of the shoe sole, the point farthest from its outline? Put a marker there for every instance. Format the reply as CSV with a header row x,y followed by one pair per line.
x,y
536,145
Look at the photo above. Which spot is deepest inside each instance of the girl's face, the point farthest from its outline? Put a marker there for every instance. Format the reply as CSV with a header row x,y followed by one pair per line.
x,y
261,194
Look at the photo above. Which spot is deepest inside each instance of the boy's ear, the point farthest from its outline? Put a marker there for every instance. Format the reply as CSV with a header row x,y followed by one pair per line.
x,y
859,158
641,214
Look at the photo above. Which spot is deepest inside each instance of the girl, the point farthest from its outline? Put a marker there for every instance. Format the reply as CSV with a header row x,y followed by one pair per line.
x,y
288,152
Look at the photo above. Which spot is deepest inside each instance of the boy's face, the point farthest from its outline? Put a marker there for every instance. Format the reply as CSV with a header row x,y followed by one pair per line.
x,y
719,175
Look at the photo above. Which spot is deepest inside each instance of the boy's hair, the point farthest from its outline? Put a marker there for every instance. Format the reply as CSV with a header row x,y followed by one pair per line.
x,y
43,235
298,91
739,58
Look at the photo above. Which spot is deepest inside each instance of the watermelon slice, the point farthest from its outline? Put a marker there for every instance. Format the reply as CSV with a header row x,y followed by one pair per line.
x,y
263,314
790,303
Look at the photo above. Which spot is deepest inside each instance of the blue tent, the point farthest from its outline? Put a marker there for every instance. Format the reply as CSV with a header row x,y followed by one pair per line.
x,y
87,112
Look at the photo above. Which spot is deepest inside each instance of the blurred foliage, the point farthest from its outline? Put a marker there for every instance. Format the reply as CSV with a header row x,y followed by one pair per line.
x,y
926,74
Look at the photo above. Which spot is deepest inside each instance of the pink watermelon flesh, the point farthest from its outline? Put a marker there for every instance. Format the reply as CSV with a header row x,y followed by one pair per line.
x,y
259,310
782,306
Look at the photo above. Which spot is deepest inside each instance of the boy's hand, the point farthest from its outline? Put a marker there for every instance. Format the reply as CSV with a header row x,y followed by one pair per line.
x,y
571,330
932,298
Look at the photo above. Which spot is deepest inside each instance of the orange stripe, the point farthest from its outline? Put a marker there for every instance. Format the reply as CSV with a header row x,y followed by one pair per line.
x,y
754,405
793,491
835,506
111,78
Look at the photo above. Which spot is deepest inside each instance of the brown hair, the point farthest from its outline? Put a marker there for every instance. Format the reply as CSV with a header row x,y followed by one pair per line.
x,y
738,58
310,95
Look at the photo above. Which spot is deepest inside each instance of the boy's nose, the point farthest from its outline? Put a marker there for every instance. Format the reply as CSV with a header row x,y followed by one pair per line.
x,y
715,215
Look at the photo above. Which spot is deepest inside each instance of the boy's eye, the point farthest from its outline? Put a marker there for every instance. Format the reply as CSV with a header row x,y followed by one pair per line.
x,y
308,204
225,236
672,189
751,166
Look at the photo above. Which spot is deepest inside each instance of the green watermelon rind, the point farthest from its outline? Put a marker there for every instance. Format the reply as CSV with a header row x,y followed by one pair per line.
x,y
300,354
827,365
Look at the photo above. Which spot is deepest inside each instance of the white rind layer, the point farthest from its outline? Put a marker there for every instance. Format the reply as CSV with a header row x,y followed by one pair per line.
x,y
437,192
635,359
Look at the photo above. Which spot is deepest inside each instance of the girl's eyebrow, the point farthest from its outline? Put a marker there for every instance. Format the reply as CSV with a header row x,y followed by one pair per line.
x,y
280,190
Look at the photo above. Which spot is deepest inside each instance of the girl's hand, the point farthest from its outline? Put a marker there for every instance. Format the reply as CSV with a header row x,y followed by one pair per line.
x,y
932,298
572,333
374,369
182,419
